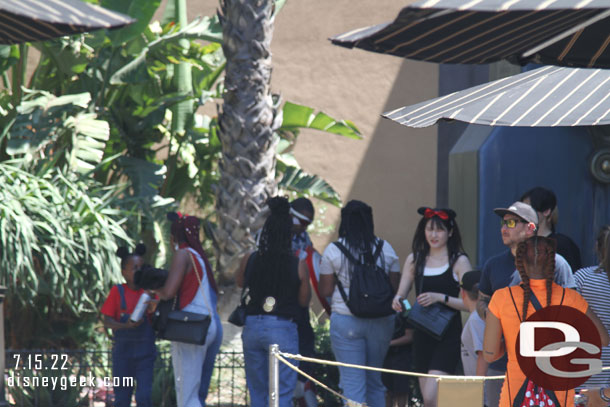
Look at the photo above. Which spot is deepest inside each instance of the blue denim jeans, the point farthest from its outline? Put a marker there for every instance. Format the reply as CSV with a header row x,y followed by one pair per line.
x,y
210,355
259,332
361,341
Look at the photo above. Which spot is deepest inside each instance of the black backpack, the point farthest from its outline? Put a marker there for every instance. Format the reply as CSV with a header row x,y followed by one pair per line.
x,y
370,291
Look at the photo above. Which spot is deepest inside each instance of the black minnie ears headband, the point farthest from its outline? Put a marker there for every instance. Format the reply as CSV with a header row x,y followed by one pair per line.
x,y
123,252
444,214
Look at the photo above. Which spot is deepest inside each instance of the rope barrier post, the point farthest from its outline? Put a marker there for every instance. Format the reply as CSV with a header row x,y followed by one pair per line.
x,y
274,376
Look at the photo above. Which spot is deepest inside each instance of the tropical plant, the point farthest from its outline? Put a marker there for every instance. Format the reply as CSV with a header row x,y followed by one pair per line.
x,y
114,115
251,126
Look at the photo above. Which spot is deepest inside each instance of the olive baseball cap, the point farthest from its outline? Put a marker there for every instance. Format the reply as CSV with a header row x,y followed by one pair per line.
x,y
520,209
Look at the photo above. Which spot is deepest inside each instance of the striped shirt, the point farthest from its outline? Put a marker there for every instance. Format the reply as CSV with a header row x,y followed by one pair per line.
x,y
592,283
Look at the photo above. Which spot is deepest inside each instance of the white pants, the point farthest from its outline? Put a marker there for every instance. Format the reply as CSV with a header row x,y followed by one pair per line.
x,y
187,359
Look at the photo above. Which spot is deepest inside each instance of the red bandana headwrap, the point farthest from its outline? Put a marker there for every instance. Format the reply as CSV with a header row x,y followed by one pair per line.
x,y
188,227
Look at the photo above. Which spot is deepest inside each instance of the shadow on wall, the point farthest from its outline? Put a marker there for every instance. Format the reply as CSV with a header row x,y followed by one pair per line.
x,y
398,171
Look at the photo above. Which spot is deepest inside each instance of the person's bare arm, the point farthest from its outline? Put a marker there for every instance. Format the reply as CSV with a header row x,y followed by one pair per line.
x,y
406,339
304,288
603,333
326,285
482,304
394,280
482,365
180,265
240,276
493,345
406,281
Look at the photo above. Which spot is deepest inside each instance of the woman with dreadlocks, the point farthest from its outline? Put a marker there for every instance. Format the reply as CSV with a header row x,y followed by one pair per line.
x,y
191,279
358,340
435,266
278,286
510,306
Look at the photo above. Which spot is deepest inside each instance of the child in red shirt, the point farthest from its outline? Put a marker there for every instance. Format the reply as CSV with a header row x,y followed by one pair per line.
x,y
134,352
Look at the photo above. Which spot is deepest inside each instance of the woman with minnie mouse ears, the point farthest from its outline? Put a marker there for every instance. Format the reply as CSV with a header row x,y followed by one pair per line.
x,y
436,264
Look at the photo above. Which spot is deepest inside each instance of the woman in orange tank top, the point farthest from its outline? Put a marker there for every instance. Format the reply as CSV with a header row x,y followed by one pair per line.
x,y
535,260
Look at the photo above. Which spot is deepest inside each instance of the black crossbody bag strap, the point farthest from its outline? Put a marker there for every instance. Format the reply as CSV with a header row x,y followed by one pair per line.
x,y
247,273
353,260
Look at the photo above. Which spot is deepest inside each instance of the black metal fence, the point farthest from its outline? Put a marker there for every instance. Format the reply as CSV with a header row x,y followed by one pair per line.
x,y
44,378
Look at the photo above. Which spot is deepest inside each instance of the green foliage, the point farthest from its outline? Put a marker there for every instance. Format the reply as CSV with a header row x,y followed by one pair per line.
x,y
88,151
329,375
61,395
58,237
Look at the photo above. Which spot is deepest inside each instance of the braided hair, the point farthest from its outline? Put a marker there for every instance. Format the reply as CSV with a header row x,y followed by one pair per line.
x,y
274,252
124,254
358,230
535,254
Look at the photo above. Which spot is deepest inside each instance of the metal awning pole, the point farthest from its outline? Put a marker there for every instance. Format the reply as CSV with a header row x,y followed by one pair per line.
x,y
274,376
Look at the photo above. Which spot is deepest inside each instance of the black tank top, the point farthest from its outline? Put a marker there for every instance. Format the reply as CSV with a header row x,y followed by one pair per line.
x,y
443,283
287,304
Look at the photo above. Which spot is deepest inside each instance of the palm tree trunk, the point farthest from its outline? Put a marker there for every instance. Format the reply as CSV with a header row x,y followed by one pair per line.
x,y
247,121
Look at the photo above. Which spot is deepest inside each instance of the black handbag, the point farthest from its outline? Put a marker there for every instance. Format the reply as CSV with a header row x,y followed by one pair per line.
x,y
433,319
238,316
181,326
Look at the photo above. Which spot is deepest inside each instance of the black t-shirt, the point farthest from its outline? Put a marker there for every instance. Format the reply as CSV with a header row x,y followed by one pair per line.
x,y
568,249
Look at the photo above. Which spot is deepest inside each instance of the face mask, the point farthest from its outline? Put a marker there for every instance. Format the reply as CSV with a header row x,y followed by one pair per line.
x,y
176,246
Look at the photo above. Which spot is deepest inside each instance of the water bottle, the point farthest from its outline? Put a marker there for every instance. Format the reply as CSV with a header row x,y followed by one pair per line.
x,y
138,311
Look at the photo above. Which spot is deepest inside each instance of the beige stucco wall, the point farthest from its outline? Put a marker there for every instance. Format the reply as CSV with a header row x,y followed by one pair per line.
x,y
393,168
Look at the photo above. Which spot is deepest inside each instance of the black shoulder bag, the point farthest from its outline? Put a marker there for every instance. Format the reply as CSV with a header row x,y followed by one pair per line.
x,y
238,316
182,326
370,290
433,319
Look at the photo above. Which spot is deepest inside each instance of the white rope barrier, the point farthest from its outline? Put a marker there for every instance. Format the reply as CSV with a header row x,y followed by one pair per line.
x,y
382,370
281,356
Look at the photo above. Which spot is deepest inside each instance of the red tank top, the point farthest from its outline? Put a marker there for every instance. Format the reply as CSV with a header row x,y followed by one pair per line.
x,y
190,282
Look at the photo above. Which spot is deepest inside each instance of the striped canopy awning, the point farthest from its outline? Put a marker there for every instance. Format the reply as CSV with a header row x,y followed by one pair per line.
x,y
37,20
545,97
557,32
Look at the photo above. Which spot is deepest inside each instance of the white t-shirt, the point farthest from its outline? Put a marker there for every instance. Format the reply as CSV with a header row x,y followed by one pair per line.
x,y
333,262
472,342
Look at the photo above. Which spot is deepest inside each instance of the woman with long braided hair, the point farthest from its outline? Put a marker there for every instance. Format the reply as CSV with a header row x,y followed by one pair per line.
x,y
509,306
278,286
191,284
357,339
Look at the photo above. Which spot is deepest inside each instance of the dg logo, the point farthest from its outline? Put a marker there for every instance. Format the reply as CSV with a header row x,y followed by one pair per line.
x,y
559,348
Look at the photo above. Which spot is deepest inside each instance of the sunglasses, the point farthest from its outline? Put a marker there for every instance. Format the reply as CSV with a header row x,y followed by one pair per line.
x,y
510,223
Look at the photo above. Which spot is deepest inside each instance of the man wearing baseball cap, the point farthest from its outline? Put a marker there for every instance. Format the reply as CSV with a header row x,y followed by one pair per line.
x,y
519,222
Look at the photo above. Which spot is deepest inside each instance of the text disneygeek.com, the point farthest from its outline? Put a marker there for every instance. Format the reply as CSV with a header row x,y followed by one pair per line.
x,y
63,382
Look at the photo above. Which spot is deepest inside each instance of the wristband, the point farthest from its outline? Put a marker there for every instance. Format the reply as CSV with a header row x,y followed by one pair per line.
x,y
602,395
446,299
